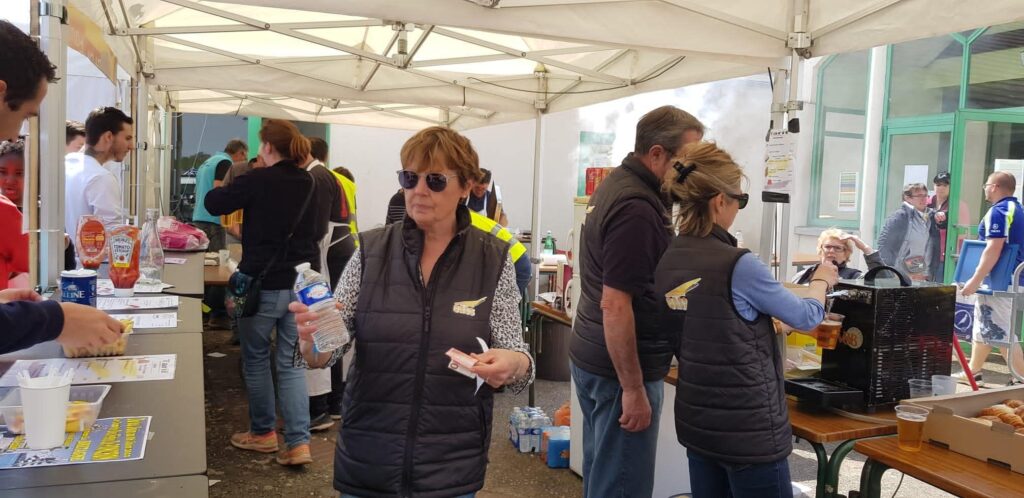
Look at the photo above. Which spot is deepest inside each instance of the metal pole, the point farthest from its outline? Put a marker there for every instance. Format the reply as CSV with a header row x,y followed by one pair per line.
x,y
52,16
143,176
769,209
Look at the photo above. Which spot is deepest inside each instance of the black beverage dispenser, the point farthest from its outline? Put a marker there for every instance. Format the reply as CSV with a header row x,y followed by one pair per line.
x,y
893,331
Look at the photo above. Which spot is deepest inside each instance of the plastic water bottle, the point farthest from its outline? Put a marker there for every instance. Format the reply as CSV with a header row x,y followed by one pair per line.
x,y
151,253
549,244
313,291
739,239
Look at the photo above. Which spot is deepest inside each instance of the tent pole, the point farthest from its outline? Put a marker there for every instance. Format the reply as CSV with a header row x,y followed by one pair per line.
x,y
52,15
535,238
141,166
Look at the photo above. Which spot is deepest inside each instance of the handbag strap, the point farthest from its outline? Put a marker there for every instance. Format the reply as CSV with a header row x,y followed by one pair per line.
x,y
287,240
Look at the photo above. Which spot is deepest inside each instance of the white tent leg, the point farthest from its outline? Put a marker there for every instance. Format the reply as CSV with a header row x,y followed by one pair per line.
x,y
872,143
163,191
535,244
51,147
143,175
770,209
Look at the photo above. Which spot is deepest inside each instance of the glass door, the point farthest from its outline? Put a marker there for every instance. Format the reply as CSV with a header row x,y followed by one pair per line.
x,y
985,142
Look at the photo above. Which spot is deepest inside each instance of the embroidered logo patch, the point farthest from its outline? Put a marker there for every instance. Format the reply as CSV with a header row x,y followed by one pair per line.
x,y
676,298
467,308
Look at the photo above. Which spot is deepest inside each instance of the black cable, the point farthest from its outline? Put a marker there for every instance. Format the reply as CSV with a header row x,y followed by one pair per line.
x,y
898,485
617,87
771,81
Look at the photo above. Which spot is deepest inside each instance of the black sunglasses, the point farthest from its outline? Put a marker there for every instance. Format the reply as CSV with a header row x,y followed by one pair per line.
x,y
436,182
742,198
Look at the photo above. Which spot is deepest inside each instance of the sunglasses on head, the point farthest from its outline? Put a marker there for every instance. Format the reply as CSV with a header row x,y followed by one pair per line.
x,y
743,199
436,182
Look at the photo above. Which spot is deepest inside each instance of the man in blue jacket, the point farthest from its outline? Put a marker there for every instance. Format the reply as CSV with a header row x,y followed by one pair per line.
x,y
25,319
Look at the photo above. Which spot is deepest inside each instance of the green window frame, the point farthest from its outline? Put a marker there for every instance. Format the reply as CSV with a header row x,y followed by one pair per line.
x,y
821,133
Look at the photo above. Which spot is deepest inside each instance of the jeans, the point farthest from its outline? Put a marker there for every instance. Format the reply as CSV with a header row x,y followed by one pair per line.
x,y
711,478
291,381
616,463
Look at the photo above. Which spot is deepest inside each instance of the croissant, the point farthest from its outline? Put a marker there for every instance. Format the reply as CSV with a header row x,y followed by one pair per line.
x,y
1012,419
1014,403
997,410
1019,412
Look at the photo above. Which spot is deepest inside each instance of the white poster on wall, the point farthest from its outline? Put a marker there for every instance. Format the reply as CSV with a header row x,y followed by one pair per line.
x,y
778,165
914,173
849,191
1014,167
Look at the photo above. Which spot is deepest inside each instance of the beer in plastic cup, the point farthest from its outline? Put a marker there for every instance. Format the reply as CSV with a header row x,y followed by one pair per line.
x,y
827,332
910,427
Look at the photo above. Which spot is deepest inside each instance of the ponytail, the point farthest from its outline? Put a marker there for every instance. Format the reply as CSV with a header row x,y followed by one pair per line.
x,y
284,137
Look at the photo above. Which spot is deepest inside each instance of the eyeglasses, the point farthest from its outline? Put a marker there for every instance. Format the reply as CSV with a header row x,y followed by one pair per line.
x,y
832,248
436,182
742,198
918,196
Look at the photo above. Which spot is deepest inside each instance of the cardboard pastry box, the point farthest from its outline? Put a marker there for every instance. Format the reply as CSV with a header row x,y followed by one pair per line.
x,y
952,424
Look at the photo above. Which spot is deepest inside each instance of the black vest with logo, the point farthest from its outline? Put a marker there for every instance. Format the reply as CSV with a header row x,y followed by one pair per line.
x,y
587,347
730,401
412,426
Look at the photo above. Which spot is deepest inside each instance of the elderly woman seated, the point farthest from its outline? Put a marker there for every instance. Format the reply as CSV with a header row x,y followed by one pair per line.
x,y
837,246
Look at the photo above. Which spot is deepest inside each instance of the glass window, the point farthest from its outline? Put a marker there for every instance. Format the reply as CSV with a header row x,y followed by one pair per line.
x,y
925,77
839,138
997,68
914,158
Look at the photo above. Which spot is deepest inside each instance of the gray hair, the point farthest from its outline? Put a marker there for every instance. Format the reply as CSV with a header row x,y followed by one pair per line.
x,y
664,126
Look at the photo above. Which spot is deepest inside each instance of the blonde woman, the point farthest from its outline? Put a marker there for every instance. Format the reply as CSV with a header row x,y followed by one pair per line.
x,y
836,246
731,405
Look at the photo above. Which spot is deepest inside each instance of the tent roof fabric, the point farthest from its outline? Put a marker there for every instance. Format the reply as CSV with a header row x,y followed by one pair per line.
x,y
401,64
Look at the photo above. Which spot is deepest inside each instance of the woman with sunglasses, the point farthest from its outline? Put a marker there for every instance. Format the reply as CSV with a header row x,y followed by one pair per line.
x,y
731,405
413,426
836,246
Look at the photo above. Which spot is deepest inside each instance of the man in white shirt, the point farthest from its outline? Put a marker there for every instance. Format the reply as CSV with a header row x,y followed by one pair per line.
x,y
90,188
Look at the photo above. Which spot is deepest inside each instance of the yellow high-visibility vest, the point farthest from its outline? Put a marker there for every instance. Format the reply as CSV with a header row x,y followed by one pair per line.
x,y
349,187
492,227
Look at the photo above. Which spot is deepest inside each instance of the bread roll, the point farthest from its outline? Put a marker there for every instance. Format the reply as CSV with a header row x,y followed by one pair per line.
x,y
997,410
1014,403
1012,419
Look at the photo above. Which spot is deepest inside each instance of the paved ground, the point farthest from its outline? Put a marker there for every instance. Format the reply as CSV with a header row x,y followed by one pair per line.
x,y
510,474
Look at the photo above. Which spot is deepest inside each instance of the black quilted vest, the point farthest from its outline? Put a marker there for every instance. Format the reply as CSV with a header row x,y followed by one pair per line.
x,y
587,347
730,401
413,427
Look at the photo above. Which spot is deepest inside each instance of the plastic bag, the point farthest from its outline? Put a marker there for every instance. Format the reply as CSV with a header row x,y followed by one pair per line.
x,y
178,236
963,317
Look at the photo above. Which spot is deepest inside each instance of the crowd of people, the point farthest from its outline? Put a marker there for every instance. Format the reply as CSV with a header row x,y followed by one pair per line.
x,y
444,273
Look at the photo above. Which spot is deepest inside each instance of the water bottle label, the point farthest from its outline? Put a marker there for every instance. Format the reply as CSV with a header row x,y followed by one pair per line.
x,y
314,293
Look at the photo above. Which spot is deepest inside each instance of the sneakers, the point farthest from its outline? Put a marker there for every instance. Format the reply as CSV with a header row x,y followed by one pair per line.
x,y
962,377
264,443
321,423
299,455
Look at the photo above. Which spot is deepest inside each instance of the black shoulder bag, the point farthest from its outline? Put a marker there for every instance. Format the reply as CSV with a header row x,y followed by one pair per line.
x,y
245,289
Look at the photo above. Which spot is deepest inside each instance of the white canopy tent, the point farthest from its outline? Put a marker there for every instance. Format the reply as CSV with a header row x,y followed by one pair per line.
x,y
465,64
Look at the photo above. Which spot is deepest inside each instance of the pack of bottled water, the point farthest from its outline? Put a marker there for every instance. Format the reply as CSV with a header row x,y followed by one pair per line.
x,y
526,427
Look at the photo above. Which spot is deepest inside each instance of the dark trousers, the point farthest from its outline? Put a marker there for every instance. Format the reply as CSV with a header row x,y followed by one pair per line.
x,y
330,402
213,296
710,478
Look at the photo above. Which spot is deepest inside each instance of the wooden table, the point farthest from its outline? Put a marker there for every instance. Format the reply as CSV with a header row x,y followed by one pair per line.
x,y
542,310
217,276
170,487
818,427
187,279
178,445
947,470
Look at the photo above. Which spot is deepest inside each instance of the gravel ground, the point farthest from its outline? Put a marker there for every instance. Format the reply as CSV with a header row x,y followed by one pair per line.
x,y
241,474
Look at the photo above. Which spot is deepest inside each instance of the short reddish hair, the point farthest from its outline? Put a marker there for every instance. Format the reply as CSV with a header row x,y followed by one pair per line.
x,y
438,145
